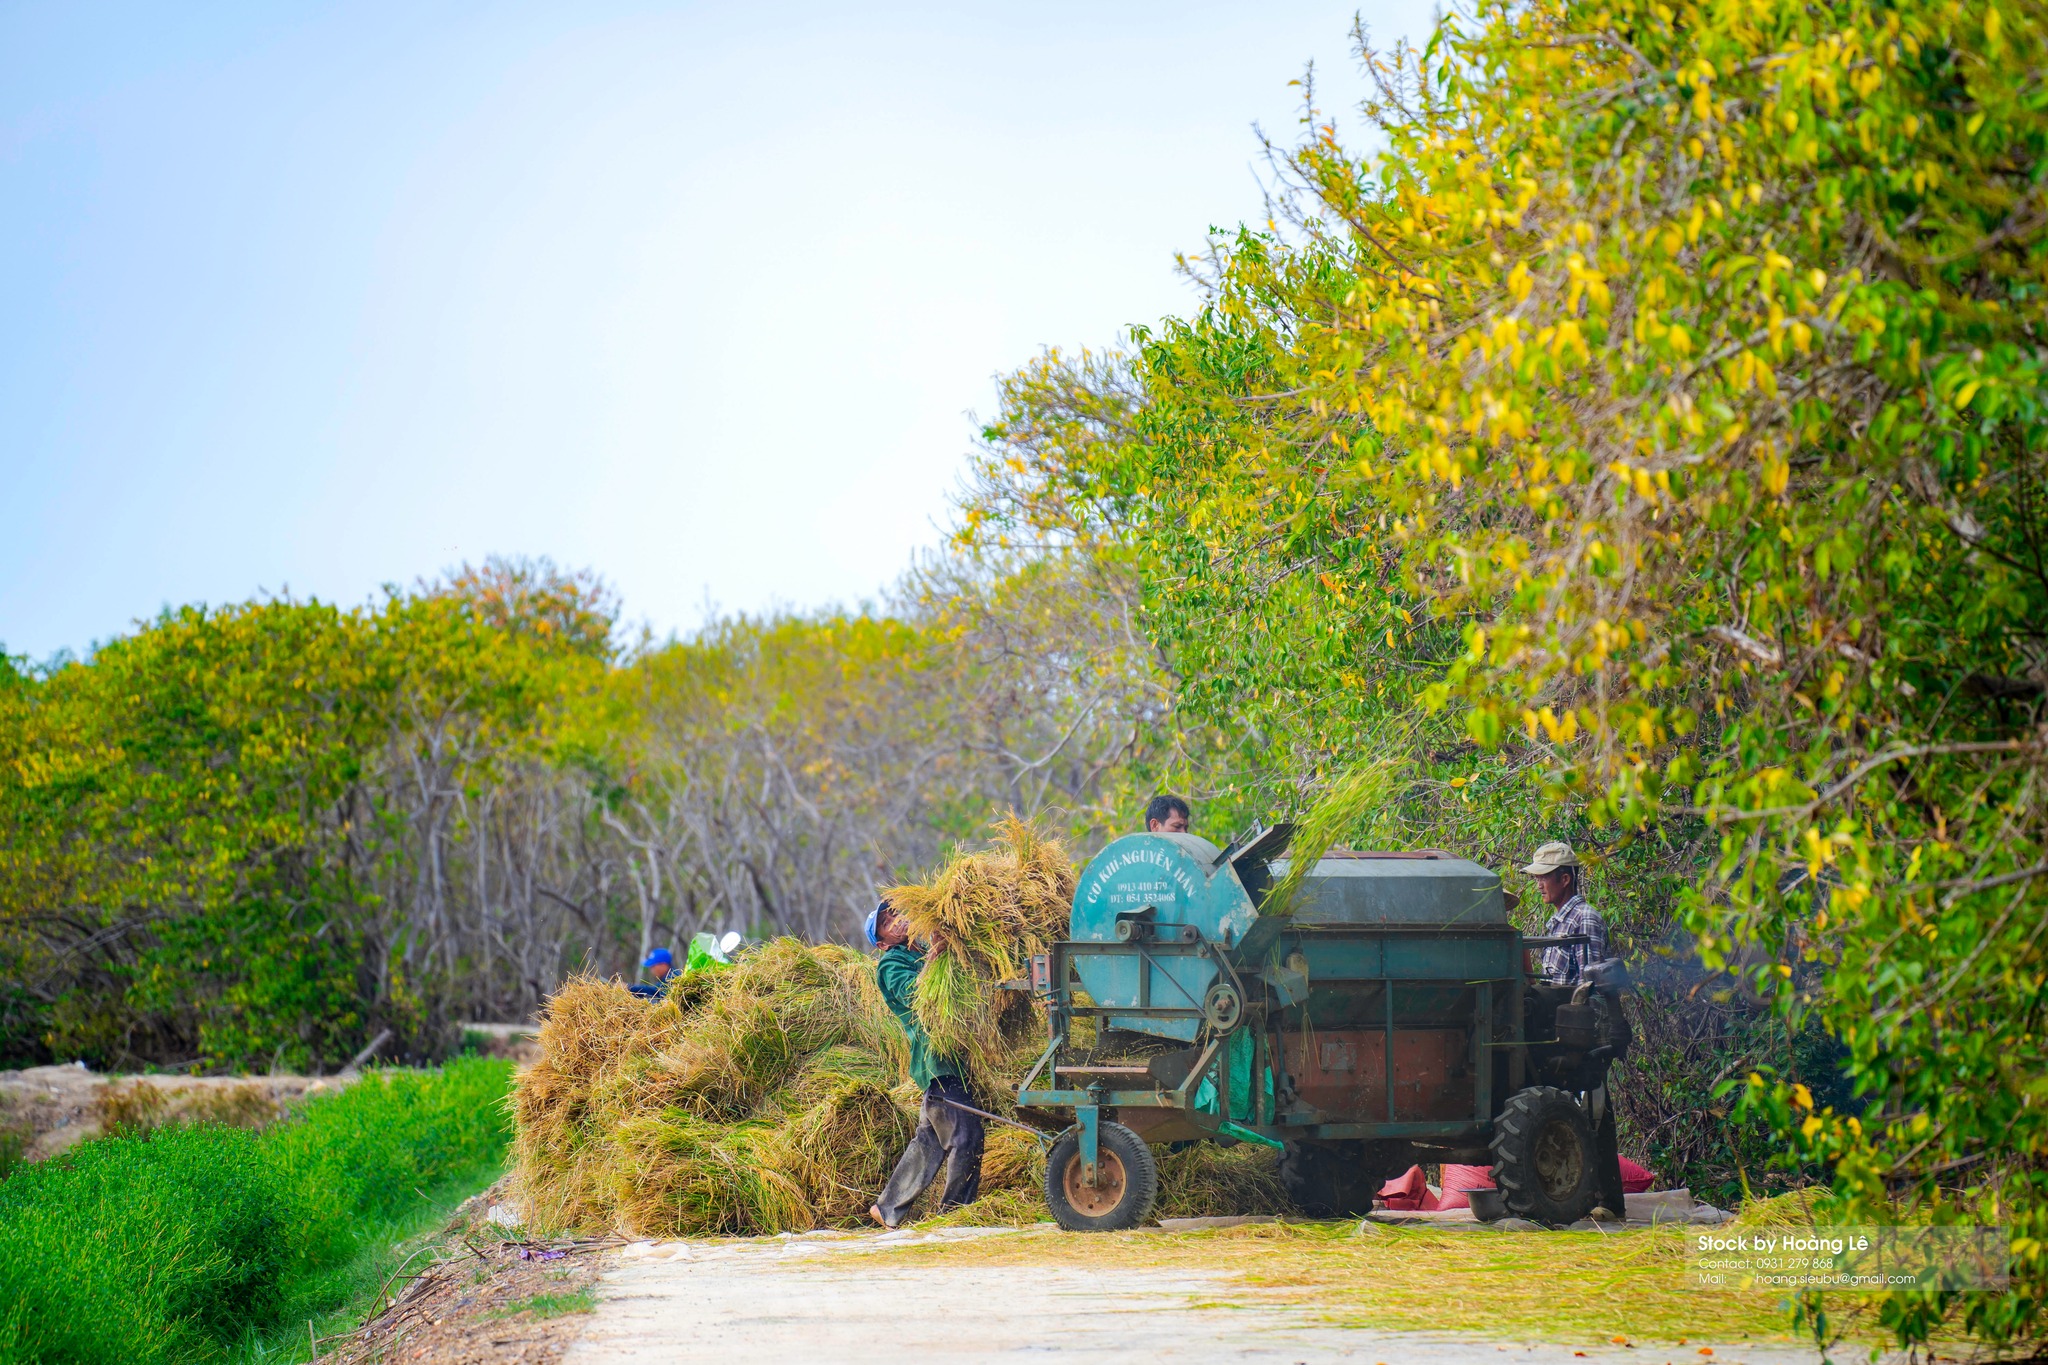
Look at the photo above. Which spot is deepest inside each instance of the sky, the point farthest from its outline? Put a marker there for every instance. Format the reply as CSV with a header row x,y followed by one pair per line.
x,y
312,298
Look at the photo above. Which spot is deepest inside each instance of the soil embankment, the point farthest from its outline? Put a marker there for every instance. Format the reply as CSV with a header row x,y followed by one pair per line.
x,y
46,1109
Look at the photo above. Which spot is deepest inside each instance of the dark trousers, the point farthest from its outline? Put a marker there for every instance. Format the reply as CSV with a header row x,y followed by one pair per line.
x,y
1607,1157
945,1136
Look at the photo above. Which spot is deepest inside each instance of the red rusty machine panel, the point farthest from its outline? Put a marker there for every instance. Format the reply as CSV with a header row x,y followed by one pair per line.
x,y
1343,1072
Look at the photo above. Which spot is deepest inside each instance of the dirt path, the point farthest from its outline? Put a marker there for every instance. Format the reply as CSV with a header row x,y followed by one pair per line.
x,y
903,1298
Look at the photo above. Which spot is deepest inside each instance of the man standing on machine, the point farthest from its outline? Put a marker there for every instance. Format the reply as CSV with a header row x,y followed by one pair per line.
x,y
1556,870
1167,814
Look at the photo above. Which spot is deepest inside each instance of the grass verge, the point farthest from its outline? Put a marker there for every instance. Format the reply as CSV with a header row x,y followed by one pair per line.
x,y
478,1291
338,1299
186,1244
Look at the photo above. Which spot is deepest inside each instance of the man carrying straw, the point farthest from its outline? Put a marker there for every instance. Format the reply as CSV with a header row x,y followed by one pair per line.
x,y
946,1133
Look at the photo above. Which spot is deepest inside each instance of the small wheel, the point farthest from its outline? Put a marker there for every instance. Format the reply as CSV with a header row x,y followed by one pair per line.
x,y
1222,1007
1126,1181
1543,1156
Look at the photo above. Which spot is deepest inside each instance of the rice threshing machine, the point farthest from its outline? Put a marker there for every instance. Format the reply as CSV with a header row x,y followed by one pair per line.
x,y
1389,1014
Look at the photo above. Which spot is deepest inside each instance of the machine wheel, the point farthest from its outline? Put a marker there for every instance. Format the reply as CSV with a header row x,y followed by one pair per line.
x,y
1543,1157
1330,1179
1126,1181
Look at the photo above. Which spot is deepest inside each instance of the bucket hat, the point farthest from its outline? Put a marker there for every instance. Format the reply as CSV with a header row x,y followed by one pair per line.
x,y
1551,857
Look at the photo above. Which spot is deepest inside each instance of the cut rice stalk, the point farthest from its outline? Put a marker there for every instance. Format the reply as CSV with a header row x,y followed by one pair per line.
x,y
842,1148
681,1176
1208,1181
1013,1160
982,917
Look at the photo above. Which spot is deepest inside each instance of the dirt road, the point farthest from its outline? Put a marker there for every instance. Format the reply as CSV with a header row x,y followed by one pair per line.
x,y
904,1298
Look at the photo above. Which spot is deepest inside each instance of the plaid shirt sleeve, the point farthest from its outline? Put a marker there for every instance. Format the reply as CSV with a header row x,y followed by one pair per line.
x,y
1586,920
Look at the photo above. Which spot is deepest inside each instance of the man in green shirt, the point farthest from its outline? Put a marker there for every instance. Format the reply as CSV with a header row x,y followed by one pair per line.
x,y
945,1135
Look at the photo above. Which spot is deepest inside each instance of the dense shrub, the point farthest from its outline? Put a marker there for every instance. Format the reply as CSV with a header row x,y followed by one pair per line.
x,y
172,1245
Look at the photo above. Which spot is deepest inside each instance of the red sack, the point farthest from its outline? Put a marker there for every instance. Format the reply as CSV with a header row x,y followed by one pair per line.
x,y
1408,1191
1458,1179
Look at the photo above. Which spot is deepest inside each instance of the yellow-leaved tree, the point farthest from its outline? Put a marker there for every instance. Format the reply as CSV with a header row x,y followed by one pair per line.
x,y
1656,419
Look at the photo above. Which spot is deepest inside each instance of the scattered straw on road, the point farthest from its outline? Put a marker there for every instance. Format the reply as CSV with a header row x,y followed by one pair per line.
x,y
1574,1287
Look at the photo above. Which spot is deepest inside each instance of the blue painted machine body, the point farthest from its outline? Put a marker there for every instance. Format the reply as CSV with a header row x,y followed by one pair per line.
x,y
1383,1003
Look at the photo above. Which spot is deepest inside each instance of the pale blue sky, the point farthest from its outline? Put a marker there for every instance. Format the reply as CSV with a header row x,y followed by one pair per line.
x,y
320,297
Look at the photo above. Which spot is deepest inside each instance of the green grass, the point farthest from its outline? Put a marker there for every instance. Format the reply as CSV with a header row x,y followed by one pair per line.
x,y
339,1299
582,1300
197,1244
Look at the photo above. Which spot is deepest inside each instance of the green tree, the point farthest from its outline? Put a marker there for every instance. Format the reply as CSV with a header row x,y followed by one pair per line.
x,y
164,811
230,837
263,835
1660,412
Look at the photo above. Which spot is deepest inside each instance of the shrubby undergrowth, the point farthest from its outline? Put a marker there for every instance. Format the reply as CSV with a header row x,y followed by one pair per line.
x,y
176,1244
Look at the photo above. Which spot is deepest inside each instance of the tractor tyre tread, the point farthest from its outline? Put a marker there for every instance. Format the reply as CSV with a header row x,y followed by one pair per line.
x,y
1523,1120
1330,1180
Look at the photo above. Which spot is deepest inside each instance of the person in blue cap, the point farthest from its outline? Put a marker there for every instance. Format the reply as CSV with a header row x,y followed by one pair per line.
x,y
661,965
949,1131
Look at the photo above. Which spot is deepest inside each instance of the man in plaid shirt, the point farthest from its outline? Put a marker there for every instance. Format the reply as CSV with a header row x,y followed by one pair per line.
x,y
1556,870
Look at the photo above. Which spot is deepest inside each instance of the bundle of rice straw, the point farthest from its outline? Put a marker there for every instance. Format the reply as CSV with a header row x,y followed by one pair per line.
x,y
772,1095
981,918
757,1098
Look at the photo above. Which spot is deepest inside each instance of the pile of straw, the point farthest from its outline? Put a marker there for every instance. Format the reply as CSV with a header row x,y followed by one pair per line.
x,y
772,1095
758,1098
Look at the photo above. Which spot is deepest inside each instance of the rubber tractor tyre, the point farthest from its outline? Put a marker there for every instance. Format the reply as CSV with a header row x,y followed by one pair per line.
x,y
1330,1179
1126,1181
1544,1157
